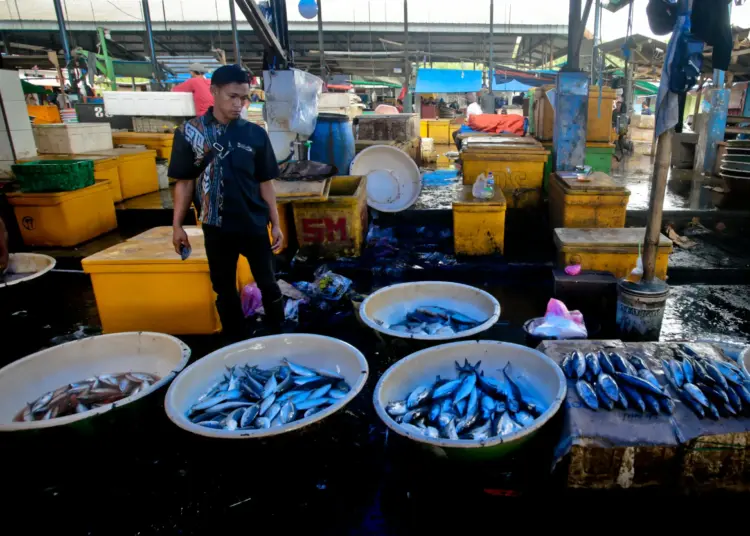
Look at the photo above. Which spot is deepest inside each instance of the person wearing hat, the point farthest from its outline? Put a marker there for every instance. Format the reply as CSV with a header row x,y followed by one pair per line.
x,y
226,165
199,86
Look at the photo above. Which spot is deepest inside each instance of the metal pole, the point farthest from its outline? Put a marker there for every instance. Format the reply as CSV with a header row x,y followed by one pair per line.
x,y
490,68
235,34
320,42
658,188
407,60
107,60
150,38
595,47
574,22
66,48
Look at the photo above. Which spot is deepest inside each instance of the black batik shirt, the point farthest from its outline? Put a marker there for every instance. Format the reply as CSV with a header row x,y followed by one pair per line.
x,y
239,157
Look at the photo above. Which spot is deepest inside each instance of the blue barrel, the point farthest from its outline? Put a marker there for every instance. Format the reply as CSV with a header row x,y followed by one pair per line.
x,y
333,142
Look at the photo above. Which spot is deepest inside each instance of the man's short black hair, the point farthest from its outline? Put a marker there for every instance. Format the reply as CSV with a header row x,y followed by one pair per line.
x,y
229,74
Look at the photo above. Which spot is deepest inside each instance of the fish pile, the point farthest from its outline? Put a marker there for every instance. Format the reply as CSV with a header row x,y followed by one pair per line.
x,y
709,387
608,380
86,395
434,320
248,397
470,407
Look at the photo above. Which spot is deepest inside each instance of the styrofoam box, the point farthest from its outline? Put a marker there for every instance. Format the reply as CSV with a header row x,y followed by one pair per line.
x,y
73,138
149,103
334,100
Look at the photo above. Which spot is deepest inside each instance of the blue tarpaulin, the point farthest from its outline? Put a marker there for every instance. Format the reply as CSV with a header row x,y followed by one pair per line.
x,y
510,85
448,81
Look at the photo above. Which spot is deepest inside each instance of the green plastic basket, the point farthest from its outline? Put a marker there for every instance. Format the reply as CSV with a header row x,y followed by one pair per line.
x,y
54,175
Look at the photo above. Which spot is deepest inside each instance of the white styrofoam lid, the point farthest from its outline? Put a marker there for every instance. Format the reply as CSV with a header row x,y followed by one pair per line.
x,y
393,179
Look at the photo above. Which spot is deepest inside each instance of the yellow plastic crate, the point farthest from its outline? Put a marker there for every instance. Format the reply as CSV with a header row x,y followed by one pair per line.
x,y
137,170
337,226
159,142
595,203
518,167
424,129
64,219
478,225
143,285
609,250
439,130
598,126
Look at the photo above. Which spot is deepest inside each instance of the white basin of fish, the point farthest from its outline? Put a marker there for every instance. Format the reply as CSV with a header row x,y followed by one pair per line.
x,y
390,305
27,379
538,377
24,267
313,351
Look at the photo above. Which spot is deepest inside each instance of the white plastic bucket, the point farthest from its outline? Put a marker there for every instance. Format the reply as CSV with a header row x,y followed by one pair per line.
x,y
390,305
307,350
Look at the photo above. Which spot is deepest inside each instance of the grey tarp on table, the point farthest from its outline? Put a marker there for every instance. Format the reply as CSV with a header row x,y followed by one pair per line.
x,y
620,428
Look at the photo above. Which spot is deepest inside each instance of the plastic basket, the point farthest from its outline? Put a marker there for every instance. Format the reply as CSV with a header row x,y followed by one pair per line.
x,y
54,175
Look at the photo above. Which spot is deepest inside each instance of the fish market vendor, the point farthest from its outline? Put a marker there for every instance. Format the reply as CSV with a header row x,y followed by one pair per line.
x,y
4,253
227,164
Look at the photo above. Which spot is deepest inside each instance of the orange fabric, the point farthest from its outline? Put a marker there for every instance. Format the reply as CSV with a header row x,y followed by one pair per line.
x,y
497,124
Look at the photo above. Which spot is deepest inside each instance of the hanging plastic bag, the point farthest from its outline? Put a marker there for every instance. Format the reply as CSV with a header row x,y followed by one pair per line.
x,y
637,273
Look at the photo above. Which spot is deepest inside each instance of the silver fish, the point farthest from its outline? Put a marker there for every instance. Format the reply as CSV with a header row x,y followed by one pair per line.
x,y
508,425
273,411
466,387
288,412
223,397
417,396
397,408
321,391
251,412
266,403
299,369
307,404
262,422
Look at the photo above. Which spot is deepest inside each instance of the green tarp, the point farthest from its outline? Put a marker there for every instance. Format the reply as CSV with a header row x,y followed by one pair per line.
x,y
33,89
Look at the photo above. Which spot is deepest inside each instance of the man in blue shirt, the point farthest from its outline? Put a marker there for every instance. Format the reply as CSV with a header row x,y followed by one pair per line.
x,y
225,164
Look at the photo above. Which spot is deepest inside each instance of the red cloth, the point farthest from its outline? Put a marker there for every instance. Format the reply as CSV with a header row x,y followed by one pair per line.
x,y
511,123
200,87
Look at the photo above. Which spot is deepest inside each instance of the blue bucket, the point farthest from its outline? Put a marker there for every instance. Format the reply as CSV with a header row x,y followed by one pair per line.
x,y
333,142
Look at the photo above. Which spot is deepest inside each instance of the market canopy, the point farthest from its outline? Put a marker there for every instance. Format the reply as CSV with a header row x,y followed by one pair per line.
x,y
511,85
33,88
448,81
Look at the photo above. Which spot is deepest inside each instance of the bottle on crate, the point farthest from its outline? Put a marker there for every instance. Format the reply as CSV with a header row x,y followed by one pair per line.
x,y
490,186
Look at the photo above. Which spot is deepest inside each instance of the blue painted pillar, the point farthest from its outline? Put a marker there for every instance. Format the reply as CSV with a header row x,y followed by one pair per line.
x,y
571,118
746,108
717,122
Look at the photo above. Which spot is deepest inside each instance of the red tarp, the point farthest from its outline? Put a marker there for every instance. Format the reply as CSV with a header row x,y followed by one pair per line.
x,y
497,124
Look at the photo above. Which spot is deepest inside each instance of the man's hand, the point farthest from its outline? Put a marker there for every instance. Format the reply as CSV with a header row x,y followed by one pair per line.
x,y
278,238
179,238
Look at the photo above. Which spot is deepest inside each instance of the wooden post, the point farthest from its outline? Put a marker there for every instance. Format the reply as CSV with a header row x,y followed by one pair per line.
x,y
656,204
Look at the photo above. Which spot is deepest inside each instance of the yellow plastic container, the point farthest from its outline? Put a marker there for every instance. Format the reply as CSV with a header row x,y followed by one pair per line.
x,y
159,142
478,225
64,219
595,203
137,170
424,129
439,130
105,169
195,234
610,250
143,285
516,163
598,126
336,226
44,115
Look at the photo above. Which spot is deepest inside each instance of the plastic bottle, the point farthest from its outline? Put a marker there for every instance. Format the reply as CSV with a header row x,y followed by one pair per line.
x,y
489,189
479,187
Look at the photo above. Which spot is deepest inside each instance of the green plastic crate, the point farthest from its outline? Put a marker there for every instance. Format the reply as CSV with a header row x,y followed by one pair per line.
x,y
598,156
54,175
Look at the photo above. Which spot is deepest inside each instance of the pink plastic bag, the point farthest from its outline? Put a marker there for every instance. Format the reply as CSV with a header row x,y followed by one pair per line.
x,y
559,323
251,299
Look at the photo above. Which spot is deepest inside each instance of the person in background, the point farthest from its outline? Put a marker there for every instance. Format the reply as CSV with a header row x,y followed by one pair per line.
x,y
400,106
487,101
474,108
4,252
233,163
517,100
646,107
200,87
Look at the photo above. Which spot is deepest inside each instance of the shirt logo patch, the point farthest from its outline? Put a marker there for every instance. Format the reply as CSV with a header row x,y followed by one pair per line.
x,y
245,147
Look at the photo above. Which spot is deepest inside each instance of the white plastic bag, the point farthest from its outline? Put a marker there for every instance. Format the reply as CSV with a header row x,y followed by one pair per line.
x,y
480,186
559,323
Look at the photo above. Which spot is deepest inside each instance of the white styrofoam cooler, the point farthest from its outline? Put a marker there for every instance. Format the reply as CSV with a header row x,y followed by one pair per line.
x,y
149,103
73,138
